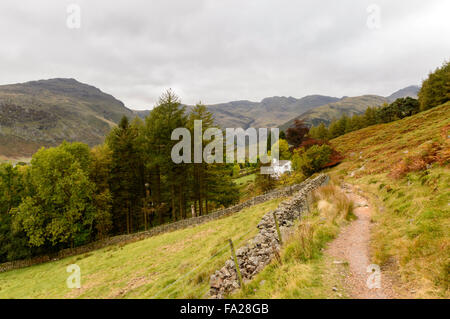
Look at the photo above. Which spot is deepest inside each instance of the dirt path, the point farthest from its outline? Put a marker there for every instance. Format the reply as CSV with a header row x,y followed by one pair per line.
x,y
352,247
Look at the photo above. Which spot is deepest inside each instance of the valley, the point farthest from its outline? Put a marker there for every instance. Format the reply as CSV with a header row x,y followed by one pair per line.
x,y
46,112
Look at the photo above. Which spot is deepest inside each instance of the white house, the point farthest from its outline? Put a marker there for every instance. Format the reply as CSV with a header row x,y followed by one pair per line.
x,y
280,167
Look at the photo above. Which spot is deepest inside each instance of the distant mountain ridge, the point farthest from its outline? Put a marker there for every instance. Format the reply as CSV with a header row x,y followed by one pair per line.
x,y
410,91
349,105
46,112
326,113
270,112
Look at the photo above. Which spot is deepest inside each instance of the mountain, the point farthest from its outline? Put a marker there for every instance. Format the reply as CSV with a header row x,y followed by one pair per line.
x,y
269,112
410,91
46,112
349,105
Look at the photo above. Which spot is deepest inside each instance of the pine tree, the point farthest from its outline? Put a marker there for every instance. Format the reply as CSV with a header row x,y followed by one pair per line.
x,y
168,115
126,185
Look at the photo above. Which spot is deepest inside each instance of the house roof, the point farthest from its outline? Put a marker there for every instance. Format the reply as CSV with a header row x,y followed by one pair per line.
x,y
283,162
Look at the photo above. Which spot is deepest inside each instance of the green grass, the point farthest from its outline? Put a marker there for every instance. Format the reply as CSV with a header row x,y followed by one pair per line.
x,y
143,269
245,179
303,272
412,227
411,233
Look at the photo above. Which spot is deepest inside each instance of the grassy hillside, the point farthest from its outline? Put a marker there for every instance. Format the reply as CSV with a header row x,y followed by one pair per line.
x,y
171,265
404,166
46,112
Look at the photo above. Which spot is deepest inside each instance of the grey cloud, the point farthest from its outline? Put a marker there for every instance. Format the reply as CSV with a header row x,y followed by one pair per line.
x,y
217,51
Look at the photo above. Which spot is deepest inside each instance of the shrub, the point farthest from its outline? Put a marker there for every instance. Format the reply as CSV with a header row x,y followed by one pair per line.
x,y
312,160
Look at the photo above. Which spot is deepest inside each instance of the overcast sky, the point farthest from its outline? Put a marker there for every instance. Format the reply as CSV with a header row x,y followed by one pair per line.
x,y
223,50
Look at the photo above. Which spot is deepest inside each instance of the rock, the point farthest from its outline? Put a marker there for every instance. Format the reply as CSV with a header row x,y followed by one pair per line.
x,y
254,260
225,272
253,257
242,251
215,281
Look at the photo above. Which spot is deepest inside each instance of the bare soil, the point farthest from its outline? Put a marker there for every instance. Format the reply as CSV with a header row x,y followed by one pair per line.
x,y
352,247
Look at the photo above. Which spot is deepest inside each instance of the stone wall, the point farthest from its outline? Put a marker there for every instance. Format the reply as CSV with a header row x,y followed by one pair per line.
x,y
129,238
256,254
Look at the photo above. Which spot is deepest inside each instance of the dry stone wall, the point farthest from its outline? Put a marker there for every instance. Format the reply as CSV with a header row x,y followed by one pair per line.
x,y
129,238
256,254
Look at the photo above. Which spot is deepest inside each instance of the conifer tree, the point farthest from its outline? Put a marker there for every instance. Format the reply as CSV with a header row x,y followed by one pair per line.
x,y
125,183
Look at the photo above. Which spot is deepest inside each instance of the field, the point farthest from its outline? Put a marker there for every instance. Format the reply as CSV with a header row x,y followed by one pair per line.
x,y
404,167
245,179
171,265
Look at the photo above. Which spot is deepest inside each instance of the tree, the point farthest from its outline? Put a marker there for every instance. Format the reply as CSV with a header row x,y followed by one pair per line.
x,y
126,185
201,173
99,173
334,129
212,182
339,127
61,210
283,150
370,116
435,89
13,243
296,134
386,114
312,160
319,132
403,107
168,115
221,190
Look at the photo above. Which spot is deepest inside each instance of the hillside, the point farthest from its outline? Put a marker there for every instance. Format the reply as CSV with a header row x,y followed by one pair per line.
x,y
409,232
46,112
404,167
172,265
410,91
269,112
348,105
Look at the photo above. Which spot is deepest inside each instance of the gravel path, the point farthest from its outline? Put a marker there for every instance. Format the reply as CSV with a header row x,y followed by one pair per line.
x,y
352,246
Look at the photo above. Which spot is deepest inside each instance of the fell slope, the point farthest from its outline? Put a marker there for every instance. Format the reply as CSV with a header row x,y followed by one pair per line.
x,y
404,165
46,112
270,112
410,91
326,113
